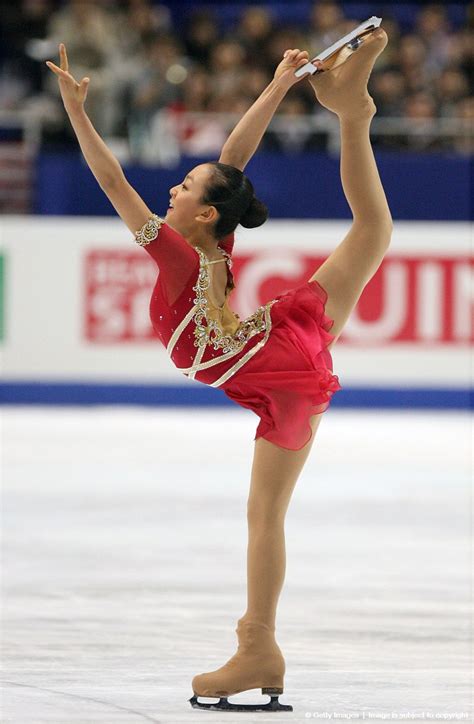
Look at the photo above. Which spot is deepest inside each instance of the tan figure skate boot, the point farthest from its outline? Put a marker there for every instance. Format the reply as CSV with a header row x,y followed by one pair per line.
x,y
258,664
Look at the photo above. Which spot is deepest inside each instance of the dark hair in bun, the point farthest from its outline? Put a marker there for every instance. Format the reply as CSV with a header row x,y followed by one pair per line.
x,y
231,192
256,214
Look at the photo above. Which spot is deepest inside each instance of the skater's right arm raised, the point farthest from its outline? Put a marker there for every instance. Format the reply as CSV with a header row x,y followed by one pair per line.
x,y
101,161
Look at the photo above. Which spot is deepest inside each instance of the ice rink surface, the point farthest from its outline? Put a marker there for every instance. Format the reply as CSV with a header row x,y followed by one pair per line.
x,y
124,554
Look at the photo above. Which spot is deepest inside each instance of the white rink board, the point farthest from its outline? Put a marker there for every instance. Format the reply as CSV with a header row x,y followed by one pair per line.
x,y
44,300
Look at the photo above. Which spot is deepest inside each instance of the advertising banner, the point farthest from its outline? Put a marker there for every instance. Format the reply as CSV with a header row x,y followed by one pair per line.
x,y
75,296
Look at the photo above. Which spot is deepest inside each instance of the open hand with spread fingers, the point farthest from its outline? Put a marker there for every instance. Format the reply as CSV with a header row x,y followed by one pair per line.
x,y
73,93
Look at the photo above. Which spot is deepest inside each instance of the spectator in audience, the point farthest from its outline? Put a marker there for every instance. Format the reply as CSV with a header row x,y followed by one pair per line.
x,y
22,75
133,27
388,59
388,90
292,135
83,26
141,67
195,92
153,89
284,37
450,87
226,65
420,111
326,24
197,135
254,81
201,35
461,54
254,29
136,24
411,60
433,27
465,112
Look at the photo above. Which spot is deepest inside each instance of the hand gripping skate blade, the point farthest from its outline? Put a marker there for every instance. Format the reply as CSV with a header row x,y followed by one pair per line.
x,y
306,68
352,39
224,705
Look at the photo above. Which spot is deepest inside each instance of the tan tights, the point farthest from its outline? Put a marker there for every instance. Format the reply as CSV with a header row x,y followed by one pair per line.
x,y
343,275
274,475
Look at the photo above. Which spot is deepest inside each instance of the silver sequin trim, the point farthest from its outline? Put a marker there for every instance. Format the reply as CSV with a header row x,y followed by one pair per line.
x,y
149,230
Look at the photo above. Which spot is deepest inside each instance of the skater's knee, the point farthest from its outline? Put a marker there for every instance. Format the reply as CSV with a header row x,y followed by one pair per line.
x,y
265,522
263,511
265,515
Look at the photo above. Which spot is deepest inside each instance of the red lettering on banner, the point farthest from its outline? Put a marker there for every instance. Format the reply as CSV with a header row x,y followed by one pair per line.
x,y
118,286
418,299
425,300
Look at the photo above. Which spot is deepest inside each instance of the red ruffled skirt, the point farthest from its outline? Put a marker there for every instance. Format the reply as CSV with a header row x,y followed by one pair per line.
x,y
290,378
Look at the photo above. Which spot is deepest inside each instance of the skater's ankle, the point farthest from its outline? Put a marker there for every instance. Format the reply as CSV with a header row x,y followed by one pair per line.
x,y
258,620
363,114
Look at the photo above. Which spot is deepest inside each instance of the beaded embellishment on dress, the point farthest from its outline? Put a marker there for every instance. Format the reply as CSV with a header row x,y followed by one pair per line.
x,y
209,331
149,230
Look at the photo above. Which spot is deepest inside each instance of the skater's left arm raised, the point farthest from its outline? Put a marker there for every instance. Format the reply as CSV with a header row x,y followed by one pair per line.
x,y
101,161
246,136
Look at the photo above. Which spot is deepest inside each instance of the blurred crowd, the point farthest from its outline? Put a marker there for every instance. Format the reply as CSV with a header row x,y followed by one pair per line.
x,y
147,74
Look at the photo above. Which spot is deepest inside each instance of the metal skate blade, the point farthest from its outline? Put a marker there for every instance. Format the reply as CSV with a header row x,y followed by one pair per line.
x,y
224,705
352,39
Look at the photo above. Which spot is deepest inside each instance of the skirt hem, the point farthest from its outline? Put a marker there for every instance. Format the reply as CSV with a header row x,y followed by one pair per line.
x,y
291,379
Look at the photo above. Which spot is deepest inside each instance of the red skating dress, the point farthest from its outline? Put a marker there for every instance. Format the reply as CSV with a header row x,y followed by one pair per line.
x,y
275,362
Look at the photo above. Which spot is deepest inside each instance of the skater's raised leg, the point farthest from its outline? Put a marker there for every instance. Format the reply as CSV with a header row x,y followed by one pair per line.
x,y
352,264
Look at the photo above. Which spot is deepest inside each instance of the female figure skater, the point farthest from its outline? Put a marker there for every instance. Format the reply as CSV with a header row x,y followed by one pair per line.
x,y
277,361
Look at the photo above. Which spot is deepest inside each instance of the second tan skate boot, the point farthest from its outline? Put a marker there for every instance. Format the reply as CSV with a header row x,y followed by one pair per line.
x,y
257,664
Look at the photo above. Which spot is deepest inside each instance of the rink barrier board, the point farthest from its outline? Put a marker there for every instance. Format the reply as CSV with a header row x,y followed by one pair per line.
x,y
76,293
54,393
429,186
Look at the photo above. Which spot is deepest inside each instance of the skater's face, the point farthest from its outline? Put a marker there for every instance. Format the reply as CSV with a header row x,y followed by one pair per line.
x,y
187,214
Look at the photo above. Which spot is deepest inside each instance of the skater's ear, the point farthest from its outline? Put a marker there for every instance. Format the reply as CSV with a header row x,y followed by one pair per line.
x,y
209,216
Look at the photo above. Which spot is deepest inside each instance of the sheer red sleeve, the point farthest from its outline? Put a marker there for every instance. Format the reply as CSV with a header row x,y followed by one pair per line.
x,y
177,261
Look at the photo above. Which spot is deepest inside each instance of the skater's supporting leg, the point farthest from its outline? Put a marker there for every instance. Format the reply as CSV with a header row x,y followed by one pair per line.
x,y
259,661
274,475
